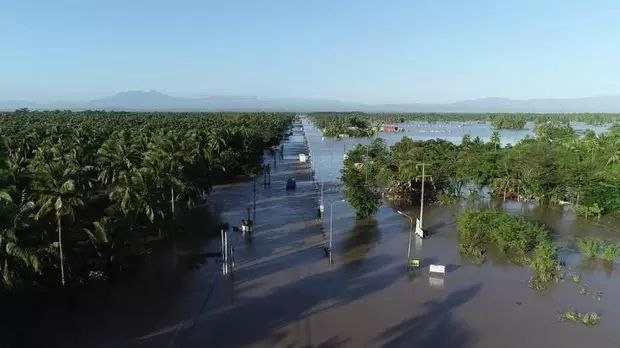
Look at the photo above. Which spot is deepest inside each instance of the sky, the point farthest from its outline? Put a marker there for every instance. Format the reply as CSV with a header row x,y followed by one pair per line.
x,y
351,50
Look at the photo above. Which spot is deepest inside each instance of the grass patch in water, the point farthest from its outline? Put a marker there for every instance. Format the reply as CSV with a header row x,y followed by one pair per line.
x,y
590,319
610,252
545,266
592,248
513,235
522,241
589,247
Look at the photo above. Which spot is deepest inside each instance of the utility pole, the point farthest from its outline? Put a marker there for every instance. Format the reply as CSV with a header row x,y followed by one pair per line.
x,y
321,205
423,176
254,206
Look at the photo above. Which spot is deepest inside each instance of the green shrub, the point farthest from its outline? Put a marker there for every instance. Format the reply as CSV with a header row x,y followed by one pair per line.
x,y
514,236
473,234
597,248
589,210
610,252
444,199
544,265
589,247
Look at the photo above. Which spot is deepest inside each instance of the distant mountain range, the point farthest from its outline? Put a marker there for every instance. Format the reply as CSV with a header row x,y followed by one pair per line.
x,y
156,101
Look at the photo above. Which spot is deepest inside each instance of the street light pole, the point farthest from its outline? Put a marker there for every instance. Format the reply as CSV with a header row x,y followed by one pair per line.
x,y
410,235
254,206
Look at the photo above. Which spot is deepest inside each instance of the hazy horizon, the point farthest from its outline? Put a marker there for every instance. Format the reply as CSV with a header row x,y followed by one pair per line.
x,y
351,51
267,97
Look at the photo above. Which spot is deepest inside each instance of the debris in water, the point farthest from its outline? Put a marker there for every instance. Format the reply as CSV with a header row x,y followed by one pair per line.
x,y
590,319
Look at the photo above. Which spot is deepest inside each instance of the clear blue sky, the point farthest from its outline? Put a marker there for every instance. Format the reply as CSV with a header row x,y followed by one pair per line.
x,y
364,51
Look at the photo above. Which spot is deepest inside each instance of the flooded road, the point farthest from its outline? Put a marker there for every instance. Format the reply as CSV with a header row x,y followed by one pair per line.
x,y
284,292
290,296
488,305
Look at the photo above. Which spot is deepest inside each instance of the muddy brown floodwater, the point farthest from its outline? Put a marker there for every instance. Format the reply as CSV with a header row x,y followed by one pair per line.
x,y
284,292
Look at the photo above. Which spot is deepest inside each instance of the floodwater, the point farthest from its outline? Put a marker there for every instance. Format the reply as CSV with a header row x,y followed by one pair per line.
x,y
285,293
327,152
487,305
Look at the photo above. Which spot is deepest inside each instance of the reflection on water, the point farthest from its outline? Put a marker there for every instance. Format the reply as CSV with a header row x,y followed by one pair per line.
x,y
418,244
359,240
436,281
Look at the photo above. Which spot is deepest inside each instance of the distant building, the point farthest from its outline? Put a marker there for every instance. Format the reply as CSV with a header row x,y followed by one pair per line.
x,y
390,128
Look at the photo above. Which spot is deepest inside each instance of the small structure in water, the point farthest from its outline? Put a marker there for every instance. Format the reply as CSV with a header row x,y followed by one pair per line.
x,y
389,128
247,226
291,184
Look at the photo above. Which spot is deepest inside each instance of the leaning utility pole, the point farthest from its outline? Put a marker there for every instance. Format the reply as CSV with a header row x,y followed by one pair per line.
x,y
423,176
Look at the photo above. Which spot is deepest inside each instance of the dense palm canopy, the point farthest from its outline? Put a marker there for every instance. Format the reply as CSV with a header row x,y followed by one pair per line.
x,y
79,190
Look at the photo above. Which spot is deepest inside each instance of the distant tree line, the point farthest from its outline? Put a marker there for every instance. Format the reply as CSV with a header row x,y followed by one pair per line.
x,y
335,123
555,165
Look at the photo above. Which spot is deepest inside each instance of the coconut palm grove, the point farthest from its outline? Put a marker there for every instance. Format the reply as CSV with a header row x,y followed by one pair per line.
x,y
83,193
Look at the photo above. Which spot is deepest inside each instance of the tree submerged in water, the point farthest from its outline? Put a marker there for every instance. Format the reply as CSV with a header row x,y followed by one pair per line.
x,y
359,177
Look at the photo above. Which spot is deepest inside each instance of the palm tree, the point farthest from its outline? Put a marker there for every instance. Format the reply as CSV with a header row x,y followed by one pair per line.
x,y
117,154
169,155
56,193
615,156
136,194
14,254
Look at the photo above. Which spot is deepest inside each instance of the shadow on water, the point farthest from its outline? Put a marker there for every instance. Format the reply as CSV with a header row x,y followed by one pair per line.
x,y
434,328
334,342
255,319
360,240
64,318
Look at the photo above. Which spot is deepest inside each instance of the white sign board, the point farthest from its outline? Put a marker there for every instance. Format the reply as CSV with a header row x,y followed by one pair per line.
x,y
303,158
437,269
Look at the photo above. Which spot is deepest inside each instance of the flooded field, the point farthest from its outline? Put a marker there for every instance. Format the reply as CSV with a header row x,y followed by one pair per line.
x,y
488,305
327,152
